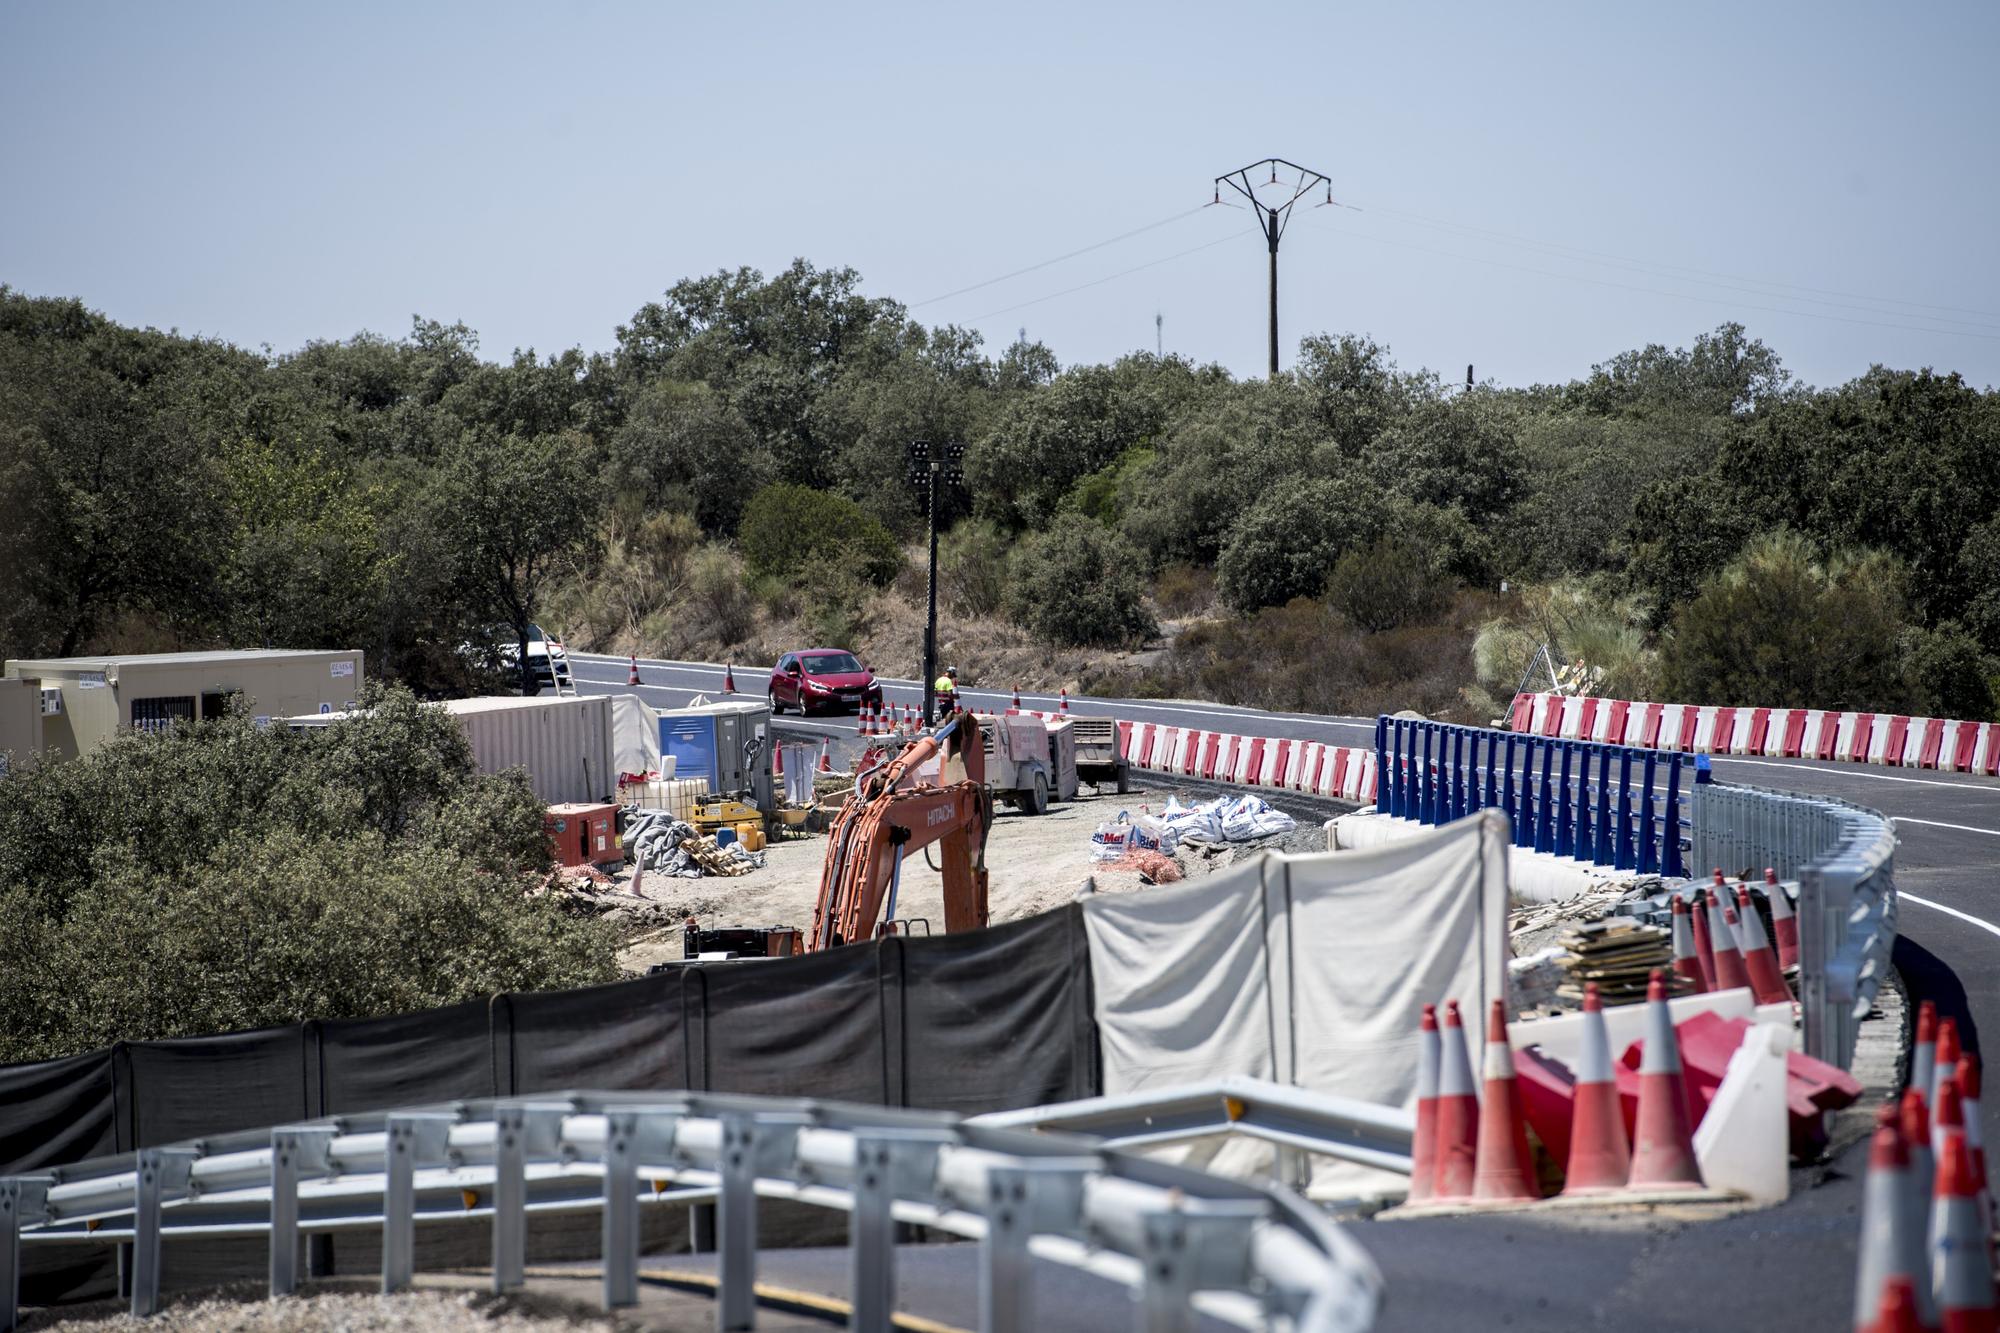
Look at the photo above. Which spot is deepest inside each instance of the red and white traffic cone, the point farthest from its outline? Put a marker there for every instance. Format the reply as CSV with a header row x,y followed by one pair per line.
x,y
1915,1114
1729,973
864,719
1898,1312
1975,1137
1923,1053
1457,1151
1687,960
1016,705
777,762
729,678
1599,1156
1892,1237
1784,921
1662,1142
1961,1262
1064,707
1704,947
1423,1143
1944,1067
1505,1169
825,756
1767,979
1948,1116
633,678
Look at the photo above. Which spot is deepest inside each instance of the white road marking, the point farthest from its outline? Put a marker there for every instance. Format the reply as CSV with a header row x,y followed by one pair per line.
x,y
1858,770
1937,823
1967,917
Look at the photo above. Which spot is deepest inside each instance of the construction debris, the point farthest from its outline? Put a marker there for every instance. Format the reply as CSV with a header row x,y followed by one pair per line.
x,y
660,841
1617,955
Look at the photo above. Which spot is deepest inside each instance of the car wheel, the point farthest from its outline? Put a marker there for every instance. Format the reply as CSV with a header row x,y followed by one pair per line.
x,y
776,707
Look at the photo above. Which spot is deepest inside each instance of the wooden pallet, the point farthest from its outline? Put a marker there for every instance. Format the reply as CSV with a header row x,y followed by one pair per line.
x,y
710,858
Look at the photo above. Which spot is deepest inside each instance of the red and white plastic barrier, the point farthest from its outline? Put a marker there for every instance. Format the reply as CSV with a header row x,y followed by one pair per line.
x,y
1893,739
1343,772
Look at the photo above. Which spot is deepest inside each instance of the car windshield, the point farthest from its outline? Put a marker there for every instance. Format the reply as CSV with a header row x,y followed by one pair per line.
x,y
830,664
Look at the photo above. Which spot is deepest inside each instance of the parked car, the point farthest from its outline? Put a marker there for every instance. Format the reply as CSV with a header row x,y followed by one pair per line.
x,y
822,679
501,653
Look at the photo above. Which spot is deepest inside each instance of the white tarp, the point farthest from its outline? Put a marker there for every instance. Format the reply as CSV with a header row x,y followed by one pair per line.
x,y
635,735
1311,970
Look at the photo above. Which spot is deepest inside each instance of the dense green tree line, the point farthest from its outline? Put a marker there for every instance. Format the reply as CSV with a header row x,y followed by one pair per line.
x,y
406,495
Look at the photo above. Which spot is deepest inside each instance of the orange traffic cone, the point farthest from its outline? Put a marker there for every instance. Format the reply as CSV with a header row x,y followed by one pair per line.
x,y
1915,1114
777,762
1687,959
825,756
1784,921
1662,1143
1423,1143
1729,973
1961,1263
1898,1313
1944,1068
633,679
1892,1237
1505,1169
729,678
1704,947
1767,980
1457,1112
1923,1054
1599,1156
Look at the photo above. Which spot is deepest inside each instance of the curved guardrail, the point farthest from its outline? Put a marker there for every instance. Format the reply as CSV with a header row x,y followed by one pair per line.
x,y
1250,1254
1844,859
1612,805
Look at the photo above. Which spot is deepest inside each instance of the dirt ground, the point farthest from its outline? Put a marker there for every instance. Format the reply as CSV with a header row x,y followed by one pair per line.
x,y
1035,863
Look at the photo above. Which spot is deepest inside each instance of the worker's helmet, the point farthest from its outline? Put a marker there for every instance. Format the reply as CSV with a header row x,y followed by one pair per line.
x,y
952,672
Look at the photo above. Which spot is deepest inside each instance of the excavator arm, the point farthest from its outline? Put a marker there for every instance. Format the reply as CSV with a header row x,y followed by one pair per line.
x,y
888,818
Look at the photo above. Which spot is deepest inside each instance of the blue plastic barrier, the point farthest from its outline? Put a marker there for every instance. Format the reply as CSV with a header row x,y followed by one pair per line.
x,y
1570,798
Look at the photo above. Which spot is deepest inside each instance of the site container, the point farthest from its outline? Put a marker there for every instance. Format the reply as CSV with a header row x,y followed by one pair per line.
x,y
20,722
726,744
564,743
152,691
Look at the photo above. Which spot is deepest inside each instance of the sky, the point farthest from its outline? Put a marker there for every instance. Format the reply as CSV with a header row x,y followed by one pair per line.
x,y
1526,188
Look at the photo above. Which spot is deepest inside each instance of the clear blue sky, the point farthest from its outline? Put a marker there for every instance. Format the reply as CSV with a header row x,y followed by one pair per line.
x,y
275,173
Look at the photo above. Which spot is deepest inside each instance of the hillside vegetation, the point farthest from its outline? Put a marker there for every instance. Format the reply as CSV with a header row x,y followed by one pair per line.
x,y
729,478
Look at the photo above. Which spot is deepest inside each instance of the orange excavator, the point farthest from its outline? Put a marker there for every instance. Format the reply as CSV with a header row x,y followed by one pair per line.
x,y
889,817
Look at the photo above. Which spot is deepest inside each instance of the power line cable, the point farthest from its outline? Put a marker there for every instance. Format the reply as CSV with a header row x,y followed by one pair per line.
x,y
1098,245
1099,282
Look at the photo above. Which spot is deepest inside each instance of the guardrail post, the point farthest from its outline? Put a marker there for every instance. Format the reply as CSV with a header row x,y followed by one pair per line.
x,y
1671,864
1457,774
1626,859
1384,786
1492,778
1427,794
1649,855
1507,801
162,1174
1166,1293
1004,1291
631,1138
23,1200
520,1130
1586,840
1601,844
1566,808
293,1149
888,1163
413,1141
1545,830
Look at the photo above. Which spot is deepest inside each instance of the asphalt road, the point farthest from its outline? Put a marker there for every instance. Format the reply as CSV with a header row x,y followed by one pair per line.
x,y
1784,1268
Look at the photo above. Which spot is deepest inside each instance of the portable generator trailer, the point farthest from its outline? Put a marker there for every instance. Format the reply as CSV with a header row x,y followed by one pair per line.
x,y
1030,761
1098,758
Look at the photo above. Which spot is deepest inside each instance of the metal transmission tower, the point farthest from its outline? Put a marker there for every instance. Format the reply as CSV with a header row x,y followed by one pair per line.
x,y
1272,217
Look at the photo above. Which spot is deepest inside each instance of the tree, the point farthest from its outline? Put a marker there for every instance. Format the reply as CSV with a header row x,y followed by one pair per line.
x,y
514,508
1287,543
1078,584
1782,627
796,534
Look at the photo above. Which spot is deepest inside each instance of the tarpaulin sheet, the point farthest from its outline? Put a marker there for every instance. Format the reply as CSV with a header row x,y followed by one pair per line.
x,y
623,1036
798,1027
997,1019
55,1112
635,735
1309,970
374,1064
197,1086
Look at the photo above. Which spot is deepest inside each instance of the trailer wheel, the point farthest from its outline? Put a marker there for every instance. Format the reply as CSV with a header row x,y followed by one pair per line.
x,y
1036,802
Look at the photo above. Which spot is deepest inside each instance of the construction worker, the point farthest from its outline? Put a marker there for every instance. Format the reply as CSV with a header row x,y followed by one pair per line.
x,y
945,687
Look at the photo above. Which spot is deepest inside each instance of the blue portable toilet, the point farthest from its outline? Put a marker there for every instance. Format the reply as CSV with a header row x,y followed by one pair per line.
x,y
726,744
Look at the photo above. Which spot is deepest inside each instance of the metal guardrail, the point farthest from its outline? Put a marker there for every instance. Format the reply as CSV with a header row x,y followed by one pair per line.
x,y
1611,805
1249,1254
1844,859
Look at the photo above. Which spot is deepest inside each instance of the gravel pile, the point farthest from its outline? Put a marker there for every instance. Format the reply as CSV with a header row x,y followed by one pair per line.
x,y
413,1312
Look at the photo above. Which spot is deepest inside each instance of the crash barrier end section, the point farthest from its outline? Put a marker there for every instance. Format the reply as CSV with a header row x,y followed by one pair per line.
x,y
1844,859
1336,772
609,1152
1591,801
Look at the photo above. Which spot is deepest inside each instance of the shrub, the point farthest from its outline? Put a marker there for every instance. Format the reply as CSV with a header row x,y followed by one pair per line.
x,y
1391,583
1184,590
716,597
794,532
1078,584
1286,544
1952,675
972,568
220,876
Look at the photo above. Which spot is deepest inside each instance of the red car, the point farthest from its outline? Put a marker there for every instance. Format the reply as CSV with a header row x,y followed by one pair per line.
x,y
822,678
